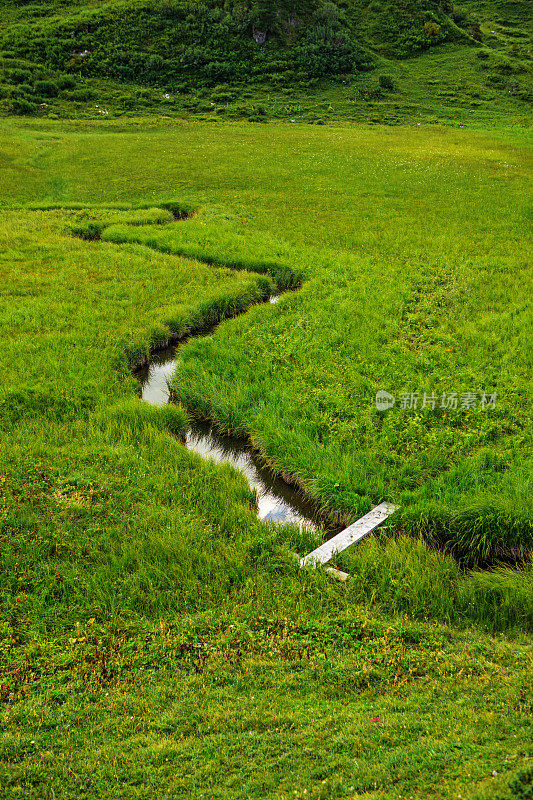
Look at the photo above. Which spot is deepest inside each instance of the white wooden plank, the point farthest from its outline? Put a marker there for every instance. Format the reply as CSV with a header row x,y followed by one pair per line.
x,y
337,573
349,535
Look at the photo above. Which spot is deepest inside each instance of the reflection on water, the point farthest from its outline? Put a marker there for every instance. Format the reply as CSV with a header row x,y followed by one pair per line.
x,y
155,377
276,500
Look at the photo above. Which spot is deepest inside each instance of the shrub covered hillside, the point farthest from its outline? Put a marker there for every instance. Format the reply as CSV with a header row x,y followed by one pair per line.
x,y
59,51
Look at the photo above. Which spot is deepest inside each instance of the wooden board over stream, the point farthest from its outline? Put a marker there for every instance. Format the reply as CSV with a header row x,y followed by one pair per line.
x,y
349,535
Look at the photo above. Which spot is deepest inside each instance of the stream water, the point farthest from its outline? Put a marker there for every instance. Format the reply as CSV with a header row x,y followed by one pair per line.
x,y
276,500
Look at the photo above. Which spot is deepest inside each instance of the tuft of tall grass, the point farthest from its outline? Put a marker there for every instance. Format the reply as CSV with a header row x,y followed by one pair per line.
x,y
129,419
406,576
487,529
89,228
218,244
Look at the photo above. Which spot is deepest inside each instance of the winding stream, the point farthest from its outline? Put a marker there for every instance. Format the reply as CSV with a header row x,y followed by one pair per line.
x,y
277,501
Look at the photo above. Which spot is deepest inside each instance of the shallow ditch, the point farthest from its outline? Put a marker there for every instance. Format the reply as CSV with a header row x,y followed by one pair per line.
x,y
277,500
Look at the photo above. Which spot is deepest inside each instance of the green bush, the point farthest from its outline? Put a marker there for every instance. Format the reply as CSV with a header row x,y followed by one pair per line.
x,y
89,231
127,102
46,88
66,82
224,97
386,82
18,76
81,95
22,90
460,16
223,94
475,31
204,44
432,30
23,107
218,71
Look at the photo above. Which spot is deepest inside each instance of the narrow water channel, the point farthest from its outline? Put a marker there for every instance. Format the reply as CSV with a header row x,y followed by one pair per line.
x,y
276,500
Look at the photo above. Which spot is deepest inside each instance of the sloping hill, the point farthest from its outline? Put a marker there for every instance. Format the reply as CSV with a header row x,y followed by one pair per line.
x,y
178,56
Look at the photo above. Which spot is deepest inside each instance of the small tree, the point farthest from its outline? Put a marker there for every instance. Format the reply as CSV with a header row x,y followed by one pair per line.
x,y
386,82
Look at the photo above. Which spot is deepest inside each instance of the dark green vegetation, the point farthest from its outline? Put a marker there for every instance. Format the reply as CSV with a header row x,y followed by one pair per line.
x,y
157,640
376,60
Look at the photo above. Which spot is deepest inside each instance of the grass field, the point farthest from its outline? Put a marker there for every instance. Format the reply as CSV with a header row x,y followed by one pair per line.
x,y
157,639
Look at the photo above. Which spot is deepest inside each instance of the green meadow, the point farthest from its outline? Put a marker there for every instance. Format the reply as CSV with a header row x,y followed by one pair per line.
x,y
157,639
